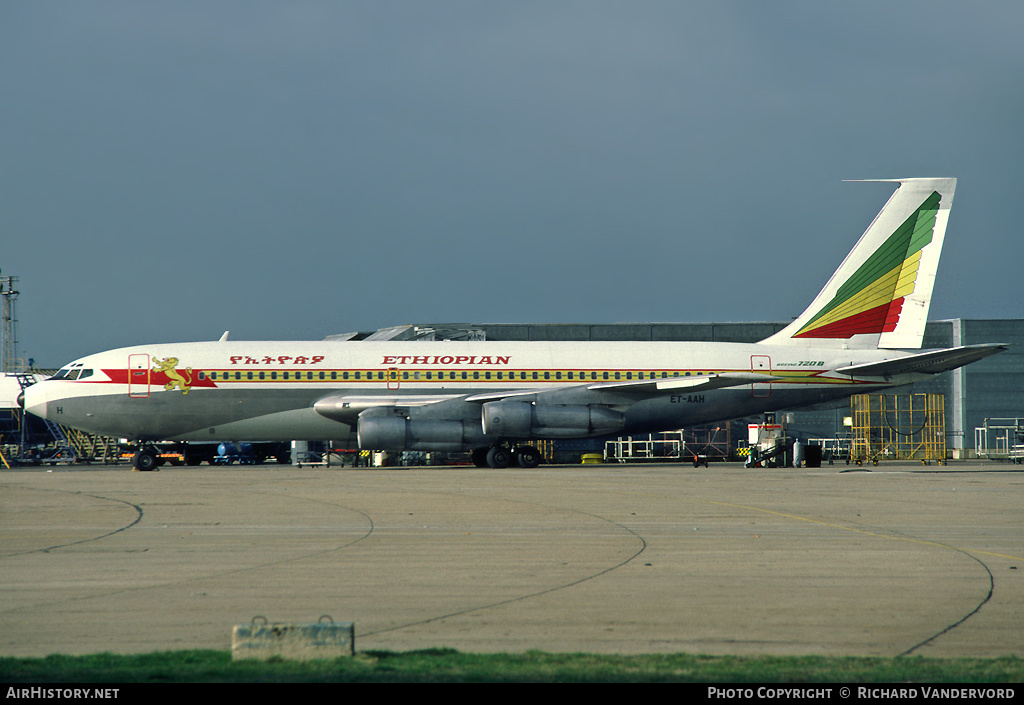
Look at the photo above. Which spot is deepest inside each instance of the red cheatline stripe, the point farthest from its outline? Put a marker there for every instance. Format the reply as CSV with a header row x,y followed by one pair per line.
x,y
159,379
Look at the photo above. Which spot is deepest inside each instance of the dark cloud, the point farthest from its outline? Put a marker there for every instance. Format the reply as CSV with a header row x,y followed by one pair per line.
x,y
290,170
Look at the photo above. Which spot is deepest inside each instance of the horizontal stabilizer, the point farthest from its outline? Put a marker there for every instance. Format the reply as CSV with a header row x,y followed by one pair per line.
x,y
932,362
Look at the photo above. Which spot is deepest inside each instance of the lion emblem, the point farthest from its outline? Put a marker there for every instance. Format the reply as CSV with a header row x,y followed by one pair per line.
x,y
174,378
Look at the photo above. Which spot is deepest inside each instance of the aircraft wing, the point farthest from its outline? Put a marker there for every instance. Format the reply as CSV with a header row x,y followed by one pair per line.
x,y
931,362
693,383
649,386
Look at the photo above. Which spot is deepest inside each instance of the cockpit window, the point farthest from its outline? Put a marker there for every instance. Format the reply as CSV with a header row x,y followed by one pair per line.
x,y
73,371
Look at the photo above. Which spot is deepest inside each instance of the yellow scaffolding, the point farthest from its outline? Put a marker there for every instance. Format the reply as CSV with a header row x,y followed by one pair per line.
x,y
898,427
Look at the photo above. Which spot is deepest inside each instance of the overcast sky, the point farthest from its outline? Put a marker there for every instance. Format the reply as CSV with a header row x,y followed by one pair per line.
x,y
289,170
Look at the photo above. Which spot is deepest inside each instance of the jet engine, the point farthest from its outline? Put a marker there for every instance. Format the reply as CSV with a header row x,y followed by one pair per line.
x,y
517,419
399,433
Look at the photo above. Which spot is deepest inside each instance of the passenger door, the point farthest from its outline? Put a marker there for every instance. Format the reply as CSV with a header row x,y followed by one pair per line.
x,y
761,363
139,373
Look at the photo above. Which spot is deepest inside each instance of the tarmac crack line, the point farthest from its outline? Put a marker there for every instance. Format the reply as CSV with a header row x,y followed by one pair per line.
x,y
875,534
47,549
897,537
529,596
954,625
186,581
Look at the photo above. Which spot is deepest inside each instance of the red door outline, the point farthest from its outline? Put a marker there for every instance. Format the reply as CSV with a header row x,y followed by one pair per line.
x,y
139,374
761,363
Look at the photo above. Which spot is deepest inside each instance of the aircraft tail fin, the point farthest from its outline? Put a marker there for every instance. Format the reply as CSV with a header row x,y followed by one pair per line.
x,y
880,295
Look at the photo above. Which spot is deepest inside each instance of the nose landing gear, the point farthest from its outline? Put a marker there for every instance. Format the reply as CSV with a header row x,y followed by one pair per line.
x,y
146,459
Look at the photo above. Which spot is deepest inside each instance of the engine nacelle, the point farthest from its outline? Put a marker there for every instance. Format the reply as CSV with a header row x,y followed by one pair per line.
x,y
518,419
398,433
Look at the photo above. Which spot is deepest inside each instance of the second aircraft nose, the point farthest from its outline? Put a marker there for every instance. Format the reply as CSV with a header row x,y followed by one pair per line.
x,y
33,400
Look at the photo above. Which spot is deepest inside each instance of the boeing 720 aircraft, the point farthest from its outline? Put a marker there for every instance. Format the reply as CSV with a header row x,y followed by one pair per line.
x,y
862,333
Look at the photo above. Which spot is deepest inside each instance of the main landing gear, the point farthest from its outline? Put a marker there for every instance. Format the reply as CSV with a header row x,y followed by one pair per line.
x,y
503,456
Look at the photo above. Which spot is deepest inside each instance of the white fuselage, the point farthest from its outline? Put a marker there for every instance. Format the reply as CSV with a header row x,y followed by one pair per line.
x,y
267,390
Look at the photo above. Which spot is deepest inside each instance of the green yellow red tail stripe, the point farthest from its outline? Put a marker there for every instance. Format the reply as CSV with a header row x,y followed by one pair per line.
x,y
871,300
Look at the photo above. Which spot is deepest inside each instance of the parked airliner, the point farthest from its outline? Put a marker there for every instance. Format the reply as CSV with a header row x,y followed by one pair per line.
x,y
863,332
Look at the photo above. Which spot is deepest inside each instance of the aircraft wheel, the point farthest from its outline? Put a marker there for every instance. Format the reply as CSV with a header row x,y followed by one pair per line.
x,y
528,457
480,457
498,457
145,460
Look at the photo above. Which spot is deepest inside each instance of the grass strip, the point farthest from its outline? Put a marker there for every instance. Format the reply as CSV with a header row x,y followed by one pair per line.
x,y
450,666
